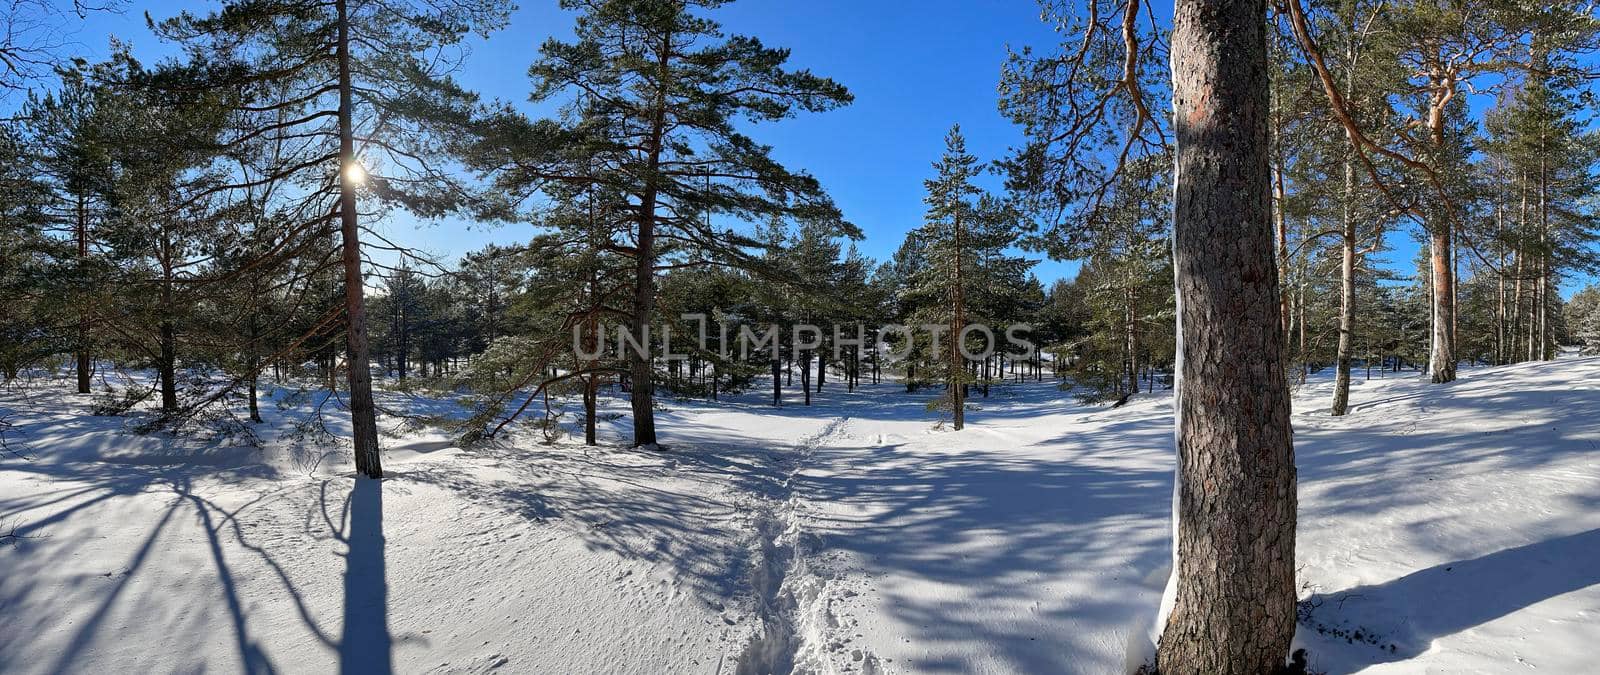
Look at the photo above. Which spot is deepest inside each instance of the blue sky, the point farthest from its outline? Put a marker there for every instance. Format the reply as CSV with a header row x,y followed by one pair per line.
x,y
915,69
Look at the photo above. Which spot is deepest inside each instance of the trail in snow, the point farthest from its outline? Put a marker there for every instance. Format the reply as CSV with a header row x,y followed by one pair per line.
x,y
793,599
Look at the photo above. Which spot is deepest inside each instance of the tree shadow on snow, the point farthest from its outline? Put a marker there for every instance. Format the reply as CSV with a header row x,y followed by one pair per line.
x,y
1400,619
141,587
365,645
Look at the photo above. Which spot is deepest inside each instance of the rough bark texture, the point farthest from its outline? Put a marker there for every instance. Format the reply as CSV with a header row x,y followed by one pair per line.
x,y
167,369
1234,601
1441,356
363,420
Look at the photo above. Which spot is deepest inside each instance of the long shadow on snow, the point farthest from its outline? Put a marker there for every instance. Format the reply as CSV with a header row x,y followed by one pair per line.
x,y
1374,461
998,526
109,482
364,647
682,509
1449,598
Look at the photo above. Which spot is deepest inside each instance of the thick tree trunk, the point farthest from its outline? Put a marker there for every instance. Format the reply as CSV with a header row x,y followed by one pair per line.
x,y
363,414
168,368
1232,595
644,289
1441,356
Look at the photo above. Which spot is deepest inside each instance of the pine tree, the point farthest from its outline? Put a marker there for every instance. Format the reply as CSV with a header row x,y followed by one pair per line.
x,y
660,88
324,74
962,240
69,133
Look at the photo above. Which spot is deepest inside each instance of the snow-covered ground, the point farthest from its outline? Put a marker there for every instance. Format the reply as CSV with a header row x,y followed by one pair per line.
x,y
1448,528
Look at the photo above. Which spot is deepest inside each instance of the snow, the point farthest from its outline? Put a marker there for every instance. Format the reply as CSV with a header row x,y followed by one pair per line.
x,y
1454,527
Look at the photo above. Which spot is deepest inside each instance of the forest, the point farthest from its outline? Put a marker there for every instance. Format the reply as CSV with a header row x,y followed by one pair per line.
x,y
1327,334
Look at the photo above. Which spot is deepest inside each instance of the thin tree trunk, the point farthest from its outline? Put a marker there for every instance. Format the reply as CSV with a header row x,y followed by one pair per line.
x,y
168,368
1543,287
253,349
805,375
777,385
1347,296
1132,342
958,402
85,368
363,414
1232,594
1500,288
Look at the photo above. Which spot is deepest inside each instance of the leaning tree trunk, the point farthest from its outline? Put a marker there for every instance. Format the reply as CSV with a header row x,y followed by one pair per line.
x,y
1232,594
363,417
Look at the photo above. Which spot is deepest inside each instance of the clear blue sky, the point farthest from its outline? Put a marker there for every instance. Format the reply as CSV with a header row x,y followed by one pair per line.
x,y
915,68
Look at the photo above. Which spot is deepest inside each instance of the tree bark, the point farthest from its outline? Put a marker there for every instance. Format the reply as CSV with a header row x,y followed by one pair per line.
x,y
363,414
168,367
777,385
1441,356
1347,297
644,291
85,368
1233,593
957,387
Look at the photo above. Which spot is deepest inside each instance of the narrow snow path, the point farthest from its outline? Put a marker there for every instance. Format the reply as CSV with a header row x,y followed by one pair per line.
x,y
785,588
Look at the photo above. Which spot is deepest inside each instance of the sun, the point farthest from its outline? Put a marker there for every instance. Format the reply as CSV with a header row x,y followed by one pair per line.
x,y
355,174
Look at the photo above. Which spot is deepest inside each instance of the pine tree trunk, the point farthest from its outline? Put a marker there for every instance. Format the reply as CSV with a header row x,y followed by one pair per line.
x,y
1441,357
1131,326
957,387
1281,229
1233,590
1347,297
85,368
644,292
822,369
1544,257
168,368
591,395
253,361
805,375
777,385
1500,289
363,414
1441,353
